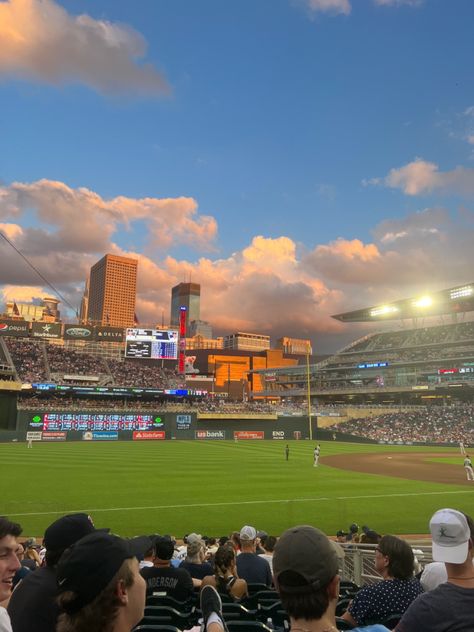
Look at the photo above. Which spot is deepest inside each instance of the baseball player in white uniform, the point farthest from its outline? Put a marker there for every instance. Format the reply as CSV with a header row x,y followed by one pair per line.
x,y
468,468
316,453
462,448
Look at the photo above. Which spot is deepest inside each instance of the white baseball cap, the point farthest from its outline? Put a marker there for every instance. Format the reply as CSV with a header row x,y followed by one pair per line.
x,y
248,533
450,532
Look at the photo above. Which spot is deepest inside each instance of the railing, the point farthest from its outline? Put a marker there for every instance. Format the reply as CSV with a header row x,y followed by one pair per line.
x,y
358,565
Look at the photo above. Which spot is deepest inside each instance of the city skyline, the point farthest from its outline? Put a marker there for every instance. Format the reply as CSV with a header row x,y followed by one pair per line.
x,y
296,158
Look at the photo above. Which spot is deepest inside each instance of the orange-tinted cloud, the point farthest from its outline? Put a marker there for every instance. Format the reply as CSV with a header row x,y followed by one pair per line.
x,y
272,285
39,40
421,177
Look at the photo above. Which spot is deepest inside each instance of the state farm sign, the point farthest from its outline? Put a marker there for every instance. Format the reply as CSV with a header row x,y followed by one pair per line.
x,y
249,434
148,435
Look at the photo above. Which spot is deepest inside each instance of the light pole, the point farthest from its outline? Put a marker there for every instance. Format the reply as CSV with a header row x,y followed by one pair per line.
x,y
308,384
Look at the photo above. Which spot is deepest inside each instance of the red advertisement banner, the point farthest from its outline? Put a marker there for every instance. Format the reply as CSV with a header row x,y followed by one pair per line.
x,y
148,435
54,436
249,434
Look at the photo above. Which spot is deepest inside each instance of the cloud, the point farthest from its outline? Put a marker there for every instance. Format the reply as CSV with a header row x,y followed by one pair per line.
x,y
272,285
331,7
39,40
421,177
399,3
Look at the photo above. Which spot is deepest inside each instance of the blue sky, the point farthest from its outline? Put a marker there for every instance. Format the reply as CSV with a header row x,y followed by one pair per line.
x,y
298,158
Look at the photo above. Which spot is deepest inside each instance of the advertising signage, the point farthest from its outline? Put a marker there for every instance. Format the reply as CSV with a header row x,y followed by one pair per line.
x,y
17,328
249,434
209,434
109,334
78,332
45,330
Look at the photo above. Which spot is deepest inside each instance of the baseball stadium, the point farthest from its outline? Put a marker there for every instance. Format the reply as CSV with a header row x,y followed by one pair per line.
x,y
141,448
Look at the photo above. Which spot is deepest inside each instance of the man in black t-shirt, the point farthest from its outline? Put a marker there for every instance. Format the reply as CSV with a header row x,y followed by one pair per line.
x,y
163,578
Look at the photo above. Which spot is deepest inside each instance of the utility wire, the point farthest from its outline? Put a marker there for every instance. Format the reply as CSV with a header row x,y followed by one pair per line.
x,y
48,283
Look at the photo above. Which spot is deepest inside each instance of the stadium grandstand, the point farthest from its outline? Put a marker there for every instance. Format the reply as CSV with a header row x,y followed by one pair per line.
x,y
410,363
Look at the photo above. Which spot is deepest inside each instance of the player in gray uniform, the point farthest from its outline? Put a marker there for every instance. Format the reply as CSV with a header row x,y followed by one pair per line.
x,y
468,468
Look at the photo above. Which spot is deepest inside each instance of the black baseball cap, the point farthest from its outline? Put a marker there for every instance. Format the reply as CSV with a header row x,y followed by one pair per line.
x,y
91,563
67,530
304,560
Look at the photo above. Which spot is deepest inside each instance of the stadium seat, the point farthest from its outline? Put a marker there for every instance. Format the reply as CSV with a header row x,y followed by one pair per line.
x,y
166,600
274,612
347,588
254,588
263,596
247,626
237,612
157,628
342,624
342,606
166,614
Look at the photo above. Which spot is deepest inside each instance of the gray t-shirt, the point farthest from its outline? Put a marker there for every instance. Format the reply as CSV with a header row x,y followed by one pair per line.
x,y
448,608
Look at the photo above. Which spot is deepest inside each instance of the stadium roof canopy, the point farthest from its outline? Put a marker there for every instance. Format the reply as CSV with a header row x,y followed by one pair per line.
x,y
455,300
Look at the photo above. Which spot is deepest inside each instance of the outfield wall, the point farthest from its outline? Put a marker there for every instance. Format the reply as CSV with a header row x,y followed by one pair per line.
x,y
115,425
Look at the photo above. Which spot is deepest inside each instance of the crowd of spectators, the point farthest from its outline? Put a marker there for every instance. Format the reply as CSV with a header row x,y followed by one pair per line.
x,y
83,579
70,362
439,334
138,374
440,424
28,359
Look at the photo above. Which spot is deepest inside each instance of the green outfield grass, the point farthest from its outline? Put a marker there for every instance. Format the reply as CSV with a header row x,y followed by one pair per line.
x,y
212,487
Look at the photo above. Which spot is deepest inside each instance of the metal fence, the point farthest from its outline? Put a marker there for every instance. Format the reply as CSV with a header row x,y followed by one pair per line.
x,y
358,565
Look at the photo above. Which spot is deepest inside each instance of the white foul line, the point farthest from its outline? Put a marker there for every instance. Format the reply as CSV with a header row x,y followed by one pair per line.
x,y
245,502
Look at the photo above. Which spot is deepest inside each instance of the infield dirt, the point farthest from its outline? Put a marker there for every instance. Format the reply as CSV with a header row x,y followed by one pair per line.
x,y
409,465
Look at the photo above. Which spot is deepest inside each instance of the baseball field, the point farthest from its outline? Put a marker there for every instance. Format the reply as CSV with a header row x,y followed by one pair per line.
x,y
214,487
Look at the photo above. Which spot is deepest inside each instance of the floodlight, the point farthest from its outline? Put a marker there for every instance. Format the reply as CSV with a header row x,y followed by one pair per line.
x,y
461,292
424,301
383,310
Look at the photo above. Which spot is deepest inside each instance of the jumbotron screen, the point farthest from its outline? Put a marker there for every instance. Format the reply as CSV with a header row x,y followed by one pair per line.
x,y
153,344
93,421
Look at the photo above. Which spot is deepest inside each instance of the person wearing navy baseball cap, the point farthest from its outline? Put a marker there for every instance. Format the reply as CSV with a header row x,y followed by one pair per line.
x,y
32,606
99,584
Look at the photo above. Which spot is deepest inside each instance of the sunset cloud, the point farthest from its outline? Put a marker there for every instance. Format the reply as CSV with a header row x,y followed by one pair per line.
x,y
271,285
421,177
39,40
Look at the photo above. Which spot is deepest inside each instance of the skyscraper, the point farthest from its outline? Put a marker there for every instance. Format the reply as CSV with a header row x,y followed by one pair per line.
x,y
112,291
185,295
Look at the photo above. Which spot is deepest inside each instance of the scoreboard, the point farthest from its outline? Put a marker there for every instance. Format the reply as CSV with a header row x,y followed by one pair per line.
x,y
86,421
154,344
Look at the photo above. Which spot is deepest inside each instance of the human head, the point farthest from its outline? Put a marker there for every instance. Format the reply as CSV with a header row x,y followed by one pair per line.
x,y
64,532
248,536
9,563
196,551
99,582
224,559
394,557
164,548
305,568
452,535
269,543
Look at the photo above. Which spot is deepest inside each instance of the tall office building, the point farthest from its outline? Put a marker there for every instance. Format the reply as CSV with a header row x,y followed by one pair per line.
x,y
185,295
112,291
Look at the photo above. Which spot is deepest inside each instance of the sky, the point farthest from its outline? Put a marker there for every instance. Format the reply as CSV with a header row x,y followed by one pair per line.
x,y
297,158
